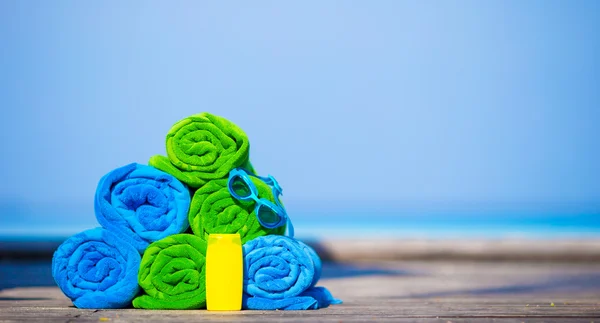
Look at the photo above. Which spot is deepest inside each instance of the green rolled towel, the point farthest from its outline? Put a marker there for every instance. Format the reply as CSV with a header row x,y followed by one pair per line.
x,y
203,147
172,274
214,210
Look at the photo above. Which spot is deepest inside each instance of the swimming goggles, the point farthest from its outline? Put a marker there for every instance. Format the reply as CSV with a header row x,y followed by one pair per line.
x,y
270,215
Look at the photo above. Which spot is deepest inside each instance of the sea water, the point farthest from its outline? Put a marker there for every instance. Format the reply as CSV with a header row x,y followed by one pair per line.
x,y
339,223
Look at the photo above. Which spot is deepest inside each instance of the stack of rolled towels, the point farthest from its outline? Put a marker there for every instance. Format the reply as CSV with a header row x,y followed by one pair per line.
x,y
155,219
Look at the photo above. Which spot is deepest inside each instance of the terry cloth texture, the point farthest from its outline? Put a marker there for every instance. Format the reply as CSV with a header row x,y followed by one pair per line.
x,y
172,274
96,269
203,147
280,273
214,210
141,204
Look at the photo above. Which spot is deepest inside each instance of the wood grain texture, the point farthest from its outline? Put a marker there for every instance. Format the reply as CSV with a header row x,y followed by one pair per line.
x,y
382,291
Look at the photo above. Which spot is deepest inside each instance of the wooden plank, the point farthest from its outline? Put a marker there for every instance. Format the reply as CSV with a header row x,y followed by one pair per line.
x,y
383,291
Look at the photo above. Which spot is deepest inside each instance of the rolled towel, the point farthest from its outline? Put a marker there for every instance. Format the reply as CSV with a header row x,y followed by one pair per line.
x,y
280,273
172,274
96,269
142,204
203,147
214,210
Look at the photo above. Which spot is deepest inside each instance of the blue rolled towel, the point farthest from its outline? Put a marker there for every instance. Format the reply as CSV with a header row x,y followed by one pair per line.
x,y
280,273
96,269
142,204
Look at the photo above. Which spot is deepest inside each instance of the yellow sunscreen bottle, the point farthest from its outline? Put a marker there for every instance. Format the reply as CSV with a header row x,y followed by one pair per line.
x,y
224,272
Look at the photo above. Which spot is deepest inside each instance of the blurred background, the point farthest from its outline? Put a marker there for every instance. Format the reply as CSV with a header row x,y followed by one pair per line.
x,y
380,119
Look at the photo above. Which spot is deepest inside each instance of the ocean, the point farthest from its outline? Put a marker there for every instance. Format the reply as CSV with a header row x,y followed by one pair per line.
x,y
340,225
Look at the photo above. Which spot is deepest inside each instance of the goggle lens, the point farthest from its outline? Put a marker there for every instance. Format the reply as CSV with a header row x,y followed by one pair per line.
x,y
268,216
240,188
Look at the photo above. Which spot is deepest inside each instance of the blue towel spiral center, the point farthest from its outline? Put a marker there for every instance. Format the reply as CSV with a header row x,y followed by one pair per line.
x,y
277,267
145,201
96,269
142,204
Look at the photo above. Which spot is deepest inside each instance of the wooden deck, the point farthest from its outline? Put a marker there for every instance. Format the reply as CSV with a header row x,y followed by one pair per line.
x,y
432,291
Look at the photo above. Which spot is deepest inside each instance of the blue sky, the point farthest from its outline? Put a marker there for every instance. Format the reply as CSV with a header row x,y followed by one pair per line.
x,y
363,104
